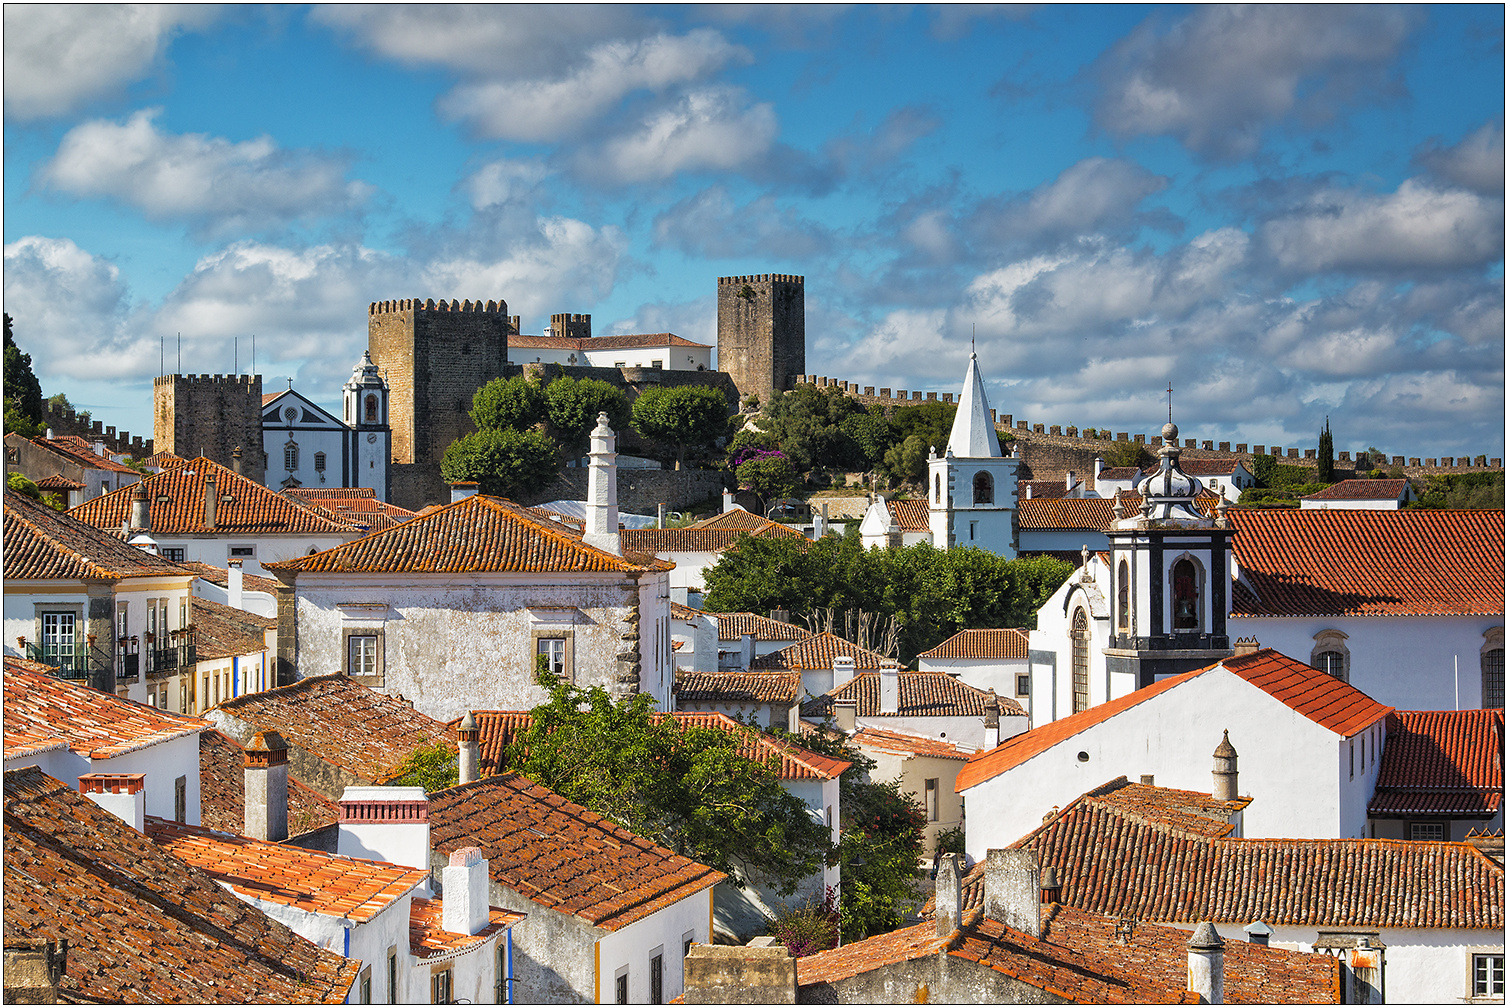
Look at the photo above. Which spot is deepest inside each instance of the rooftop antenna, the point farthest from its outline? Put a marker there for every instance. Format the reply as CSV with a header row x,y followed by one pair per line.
x,y
973,331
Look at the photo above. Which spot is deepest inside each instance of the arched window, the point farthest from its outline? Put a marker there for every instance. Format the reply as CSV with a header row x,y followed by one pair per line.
x,y
1331,663
1330,655
1123,597
1185,595
984,488
937,487
290,456
1492,668
1080,660
371,409
319,461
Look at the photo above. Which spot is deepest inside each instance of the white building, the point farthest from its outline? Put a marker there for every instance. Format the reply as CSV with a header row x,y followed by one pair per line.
x,y
1441,776
308,446
1223,477
743,638
1310,747
660,351
760,698
1362,494
926,769
919,703
972,486
985,659
697,547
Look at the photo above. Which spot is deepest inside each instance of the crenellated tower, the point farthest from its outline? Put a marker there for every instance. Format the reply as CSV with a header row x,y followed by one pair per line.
x,y
761,331
212,416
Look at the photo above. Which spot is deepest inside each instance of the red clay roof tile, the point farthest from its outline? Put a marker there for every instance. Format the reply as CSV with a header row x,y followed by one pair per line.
x,y
922,694
732,627
1361,489
41,543
222,791
737,687
816,651
428,939
981,644
41,712
902,744
1441,762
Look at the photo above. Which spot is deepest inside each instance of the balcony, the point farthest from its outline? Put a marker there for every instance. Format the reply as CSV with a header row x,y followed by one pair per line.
x,y
130,668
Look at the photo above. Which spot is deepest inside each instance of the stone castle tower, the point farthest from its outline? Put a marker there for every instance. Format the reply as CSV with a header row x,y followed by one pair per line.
x,y
761,331
571,326
211,415
435,356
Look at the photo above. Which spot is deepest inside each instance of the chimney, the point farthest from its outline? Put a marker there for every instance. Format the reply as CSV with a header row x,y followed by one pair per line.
x,y
1012,890
265,815
99,448
1051,886
1148,779
1068,482
233,583
602,490
385,824
660,515
1258,933
471,752
780,615
1099,467
991,720
890,687
843,667
727,501
746,652
465,908
461,489
122,795
1028,490
1246,645
210,500
819,523
948,898
33,969
235,460
1207,964
846,714
1225,770
141,509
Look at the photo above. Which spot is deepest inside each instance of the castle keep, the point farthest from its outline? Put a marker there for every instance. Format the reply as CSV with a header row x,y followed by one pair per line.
x,y
211,415
761,331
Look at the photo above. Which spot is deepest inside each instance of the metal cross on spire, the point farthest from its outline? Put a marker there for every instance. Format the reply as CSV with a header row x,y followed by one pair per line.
x,y
973,331
1170,402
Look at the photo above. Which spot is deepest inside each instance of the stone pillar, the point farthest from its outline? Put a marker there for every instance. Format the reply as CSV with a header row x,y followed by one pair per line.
x,y
602,490
1012,890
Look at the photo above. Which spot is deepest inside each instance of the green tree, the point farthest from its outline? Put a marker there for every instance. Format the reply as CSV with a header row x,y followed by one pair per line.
x,y
932,421
769,474
907,461
692,416
505,463
822,428
434,768
23,393
1325,456
685,787
1458,491
572,407
1263,467
1123,454
508,402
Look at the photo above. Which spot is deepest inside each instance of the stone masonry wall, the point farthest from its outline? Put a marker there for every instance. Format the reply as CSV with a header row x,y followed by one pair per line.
x,y
640,490
63,422
761,331
211,415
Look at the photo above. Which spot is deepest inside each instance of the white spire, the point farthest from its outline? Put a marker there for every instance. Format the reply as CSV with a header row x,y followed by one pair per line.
x,y
602,490
973,434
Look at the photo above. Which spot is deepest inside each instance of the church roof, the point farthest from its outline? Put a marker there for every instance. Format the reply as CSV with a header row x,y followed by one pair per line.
x,y
973,434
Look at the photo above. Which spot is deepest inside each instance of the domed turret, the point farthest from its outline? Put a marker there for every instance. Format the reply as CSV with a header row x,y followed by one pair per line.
x,y
1168,494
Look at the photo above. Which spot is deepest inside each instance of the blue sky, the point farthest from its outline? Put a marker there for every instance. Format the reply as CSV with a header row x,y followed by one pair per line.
x,y
1288,212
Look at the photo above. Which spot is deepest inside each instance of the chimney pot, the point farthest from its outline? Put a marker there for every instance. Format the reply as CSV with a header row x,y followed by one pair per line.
x,y
602,490
1052,888
843,670
265,803
890,688
461,489
1207,964
1246,645
1225,786
471,750
211,500
948,898
122,795
465,908
385,824
1148,779
845,713
235,460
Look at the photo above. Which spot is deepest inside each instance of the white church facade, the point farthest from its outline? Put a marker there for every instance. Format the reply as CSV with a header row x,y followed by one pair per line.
x,y
307,446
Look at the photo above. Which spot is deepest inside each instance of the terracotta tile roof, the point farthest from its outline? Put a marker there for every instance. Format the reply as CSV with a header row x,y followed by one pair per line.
x,y
428,940
1122,473
222,791
267,397
1201,467
901,744
307,880
164,460
41,543
738,518
910,515
342,722
142,925
252,509
732,627
922,694
816,651
1040,489
571,522
627,342
223,632
349,503
737,687
560,855
696,540
1344,562
220,576
497,729
1361,489
81,452
1114,863
1441,762
1321,698
981,644
41,712
59,482
1097,513
684,612
1079,960
475,534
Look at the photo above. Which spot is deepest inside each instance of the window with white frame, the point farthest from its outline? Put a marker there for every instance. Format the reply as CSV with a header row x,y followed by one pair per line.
x,y
59,635
1426,831
552,649
290,456
361,655
1487,974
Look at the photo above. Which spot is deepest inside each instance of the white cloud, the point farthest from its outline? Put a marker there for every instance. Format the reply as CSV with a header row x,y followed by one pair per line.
x,y
711,128
1223,74
1095,195
551,109
193,176
504,181
59,56
710,224
1476,163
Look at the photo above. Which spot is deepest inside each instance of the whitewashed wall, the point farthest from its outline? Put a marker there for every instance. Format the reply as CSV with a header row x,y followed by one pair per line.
x,y
162,763
998,674
268,548
664,929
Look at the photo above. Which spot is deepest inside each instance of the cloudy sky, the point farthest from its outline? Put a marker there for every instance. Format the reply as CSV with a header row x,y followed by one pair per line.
x,y
1288,212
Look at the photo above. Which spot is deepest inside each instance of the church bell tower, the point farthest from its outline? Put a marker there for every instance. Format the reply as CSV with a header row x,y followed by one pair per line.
x,y
366,413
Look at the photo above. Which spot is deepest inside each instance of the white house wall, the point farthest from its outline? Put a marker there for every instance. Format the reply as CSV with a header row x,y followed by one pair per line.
x,y
633,945
1420,965
1043,540
162,763
215,550
998,674
964,731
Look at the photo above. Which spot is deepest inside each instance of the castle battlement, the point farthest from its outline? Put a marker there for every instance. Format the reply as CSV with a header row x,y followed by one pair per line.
x,y
208,379
762,278
419,304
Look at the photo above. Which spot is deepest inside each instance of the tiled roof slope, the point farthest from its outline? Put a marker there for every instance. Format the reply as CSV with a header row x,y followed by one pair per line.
x,y
1201,467
1097,513
58,482
684,612
910,515
1361,489
81,452
901,744
342,722
222,791
349,503
733,626
41,543
1040,489
252,509
816,651
1322,698
737,687
476,534
428,939
922,694
981,644
696,540
1080,960
1442,763
307,880
220,576
142,925
560,855
1344,562
1114,863
41,712
164,460
1120,473
738,518
223,632
626,342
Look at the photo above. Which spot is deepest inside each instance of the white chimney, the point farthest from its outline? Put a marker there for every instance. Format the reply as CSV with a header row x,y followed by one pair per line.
x,y
1012,890
602,490
991,721
122,795
385,824
99,448
471,752
660,515
461,489
728,504
1028,490
1099,467
265,803
1068,482
465,908
746,652
843,667
890,687
846,714
948,899
1207,964
233,583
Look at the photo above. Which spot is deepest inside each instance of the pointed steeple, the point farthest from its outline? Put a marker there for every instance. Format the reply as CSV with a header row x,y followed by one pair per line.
x,y
973,435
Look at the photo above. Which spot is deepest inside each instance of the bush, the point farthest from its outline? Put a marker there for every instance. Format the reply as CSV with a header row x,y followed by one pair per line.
x,y
572,407
1263,497
434,768
811,928
505,463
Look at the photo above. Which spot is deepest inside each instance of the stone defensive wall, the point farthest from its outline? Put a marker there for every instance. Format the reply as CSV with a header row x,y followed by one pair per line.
x,y
1054,449
66,421
640,490
420,304
762,278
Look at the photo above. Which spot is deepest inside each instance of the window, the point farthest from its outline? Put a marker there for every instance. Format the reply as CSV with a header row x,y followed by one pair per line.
x,y
290,456
657,976
1351,754
1492,685
319,461
931,790
553,649
1331,663
973,528
620,987
361,651
122,625
371,408
1123,597
687,940
620,363
392,976
58,630
174,553
1426,831
243,551
658,366
937,488
1185,596
984,488
439,988
1080,660
1023,684
1487,975
364,987
180,800
501,994
1331,655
